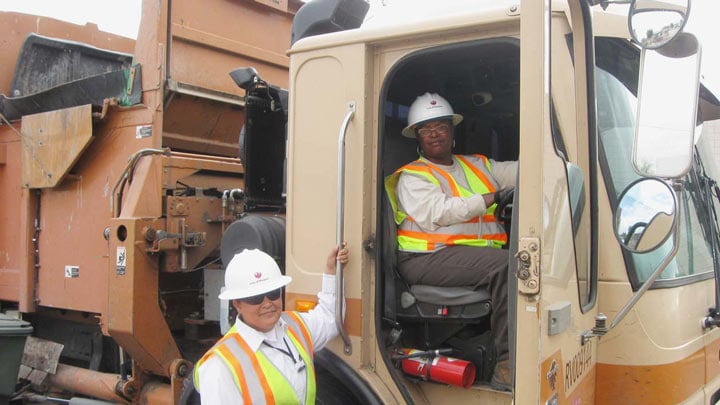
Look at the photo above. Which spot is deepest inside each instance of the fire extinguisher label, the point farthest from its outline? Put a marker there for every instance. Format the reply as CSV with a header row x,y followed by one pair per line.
x,y
121,261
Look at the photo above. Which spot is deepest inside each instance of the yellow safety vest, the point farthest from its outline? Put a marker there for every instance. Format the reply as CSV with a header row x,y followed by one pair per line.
x,y
258,380
467,233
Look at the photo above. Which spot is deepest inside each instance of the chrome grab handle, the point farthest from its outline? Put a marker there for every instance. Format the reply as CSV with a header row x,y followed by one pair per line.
x,y
340,221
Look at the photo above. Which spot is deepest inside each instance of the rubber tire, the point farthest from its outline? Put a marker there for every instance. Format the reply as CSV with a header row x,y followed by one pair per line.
x,y
331,391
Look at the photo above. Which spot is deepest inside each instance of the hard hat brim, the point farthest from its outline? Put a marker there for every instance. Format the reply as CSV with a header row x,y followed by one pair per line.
x,y
238,293
409,131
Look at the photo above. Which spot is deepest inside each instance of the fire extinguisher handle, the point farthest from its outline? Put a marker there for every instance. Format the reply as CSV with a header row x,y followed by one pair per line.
x,y
425,353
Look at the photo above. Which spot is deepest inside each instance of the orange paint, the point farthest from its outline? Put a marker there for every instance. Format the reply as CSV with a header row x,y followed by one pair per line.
x,y
628,384
712,360
353,311
653,384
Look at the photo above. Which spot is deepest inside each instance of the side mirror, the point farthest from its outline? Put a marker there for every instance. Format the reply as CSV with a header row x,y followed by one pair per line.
x,y
645,216
667,108
244,77
654,23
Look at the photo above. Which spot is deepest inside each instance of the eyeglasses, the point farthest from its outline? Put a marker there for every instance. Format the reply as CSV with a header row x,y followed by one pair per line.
x,y
258,299
442,129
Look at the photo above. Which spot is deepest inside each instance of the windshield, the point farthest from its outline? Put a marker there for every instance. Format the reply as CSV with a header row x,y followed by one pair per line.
x,y
616,84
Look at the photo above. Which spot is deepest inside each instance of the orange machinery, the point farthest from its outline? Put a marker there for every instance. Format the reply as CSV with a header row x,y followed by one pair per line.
x,y
113,200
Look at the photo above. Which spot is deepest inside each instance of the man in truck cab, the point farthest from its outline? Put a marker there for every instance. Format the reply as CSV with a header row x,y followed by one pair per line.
x,y
443,204
267,356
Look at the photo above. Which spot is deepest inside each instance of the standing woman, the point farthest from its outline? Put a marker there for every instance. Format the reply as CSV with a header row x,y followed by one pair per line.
x,y
267,356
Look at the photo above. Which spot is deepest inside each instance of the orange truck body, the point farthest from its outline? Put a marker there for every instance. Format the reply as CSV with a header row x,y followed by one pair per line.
x,y
82,182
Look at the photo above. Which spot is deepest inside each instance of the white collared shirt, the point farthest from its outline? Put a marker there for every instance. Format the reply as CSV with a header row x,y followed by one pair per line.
x,y
216,381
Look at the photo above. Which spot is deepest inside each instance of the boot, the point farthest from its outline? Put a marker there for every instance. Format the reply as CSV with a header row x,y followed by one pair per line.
x,y
501,378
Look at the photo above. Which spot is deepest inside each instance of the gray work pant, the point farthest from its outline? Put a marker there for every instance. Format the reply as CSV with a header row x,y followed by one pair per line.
x,y
470,266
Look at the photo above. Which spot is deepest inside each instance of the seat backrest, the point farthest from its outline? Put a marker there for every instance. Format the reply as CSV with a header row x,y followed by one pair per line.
x,y
389,259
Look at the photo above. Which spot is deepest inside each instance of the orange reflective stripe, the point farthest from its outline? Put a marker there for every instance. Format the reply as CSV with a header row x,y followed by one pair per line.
x,y
224,352
419,167
449,239
303,330
434,237
495,236
447,177
480,175
488,218
269,397
484,159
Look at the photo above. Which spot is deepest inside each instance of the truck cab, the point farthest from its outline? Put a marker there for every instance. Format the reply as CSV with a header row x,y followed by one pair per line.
x,y
557,87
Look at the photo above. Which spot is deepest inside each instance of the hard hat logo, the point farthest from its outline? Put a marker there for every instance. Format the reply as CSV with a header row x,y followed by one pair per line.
x,y
252,272
429,107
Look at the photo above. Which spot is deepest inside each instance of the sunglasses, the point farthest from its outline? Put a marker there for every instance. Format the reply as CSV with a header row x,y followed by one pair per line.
x,y
442,129
258,299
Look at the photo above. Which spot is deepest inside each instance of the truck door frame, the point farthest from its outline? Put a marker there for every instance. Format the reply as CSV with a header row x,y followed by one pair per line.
x,y
534,370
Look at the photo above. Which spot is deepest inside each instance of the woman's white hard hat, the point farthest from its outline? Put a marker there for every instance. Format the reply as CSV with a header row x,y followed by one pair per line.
x,y
252,272
429,107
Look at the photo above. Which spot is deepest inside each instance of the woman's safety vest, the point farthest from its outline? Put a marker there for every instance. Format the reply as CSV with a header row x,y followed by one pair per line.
x,y
259,381
484,232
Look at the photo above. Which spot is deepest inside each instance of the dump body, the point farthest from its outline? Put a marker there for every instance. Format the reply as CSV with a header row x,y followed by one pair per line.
x,y
118,158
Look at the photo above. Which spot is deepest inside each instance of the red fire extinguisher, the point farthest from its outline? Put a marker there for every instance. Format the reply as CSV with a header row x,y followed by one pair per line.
x,y
436,367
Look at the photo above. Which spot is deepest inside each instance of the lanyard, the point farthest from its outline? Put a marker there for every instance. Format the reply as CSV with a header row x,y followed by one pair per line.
x,y
298,367
281,350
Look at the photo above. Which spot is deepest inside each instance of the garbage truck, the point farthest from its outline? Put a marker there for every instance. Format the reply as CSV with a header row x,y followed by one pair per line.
x,y
612,229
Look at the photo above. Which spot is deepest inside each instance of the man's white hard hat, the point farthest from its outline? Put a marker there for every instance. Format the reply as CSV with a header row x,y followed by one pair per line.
x,y
429,107
252,272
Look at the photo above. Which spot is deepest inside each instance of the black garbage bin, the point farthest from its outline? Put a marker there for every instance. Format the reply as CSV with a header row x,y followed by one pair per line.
x,y
13,333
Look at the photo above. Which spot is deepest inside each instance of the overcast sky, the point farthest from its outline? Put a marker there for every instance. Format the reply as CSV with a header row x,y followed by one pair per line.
x,y
122,18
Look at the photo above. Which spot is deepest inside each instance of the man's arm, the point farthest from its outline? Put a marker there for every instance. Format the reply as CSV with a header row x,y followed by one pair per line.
x,y
505,173
430,208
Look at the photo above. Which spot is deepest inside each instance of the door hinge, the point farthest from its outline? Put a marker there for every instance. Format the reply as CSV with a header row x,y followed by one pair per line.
x,y
528,266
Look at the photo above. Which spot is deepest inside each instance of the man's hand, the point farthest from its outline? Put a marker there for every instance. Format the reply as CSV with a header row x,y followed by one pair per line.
x,y
503,194
337,254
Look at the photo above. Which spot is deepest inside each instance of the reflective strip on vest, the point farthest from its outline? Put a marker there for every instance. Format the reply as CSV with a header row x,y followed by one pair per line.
x,y
457,234
258,380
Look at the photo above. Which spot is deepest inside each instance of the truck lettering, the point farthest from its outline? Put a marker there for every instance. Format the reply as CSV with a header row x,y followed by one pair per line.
x,y
578,365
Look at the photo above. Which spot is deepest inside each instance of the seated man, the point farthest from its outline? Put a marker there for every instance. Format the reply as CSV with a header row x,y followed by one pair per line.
x,y
443,205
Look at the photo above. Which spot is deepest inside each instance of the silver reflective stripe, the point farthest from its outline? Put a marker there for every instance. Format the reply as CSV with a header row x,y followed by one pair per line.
x,y
251,377
299,330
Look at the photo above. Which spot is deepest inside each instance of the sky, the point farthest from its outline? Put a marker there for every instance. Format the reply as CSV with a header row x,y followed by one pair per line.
x,y
122,18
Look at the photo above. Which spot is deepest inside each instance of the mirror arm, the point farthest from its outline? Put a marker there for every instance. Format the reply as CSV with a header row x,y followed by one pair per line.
x,y
599,330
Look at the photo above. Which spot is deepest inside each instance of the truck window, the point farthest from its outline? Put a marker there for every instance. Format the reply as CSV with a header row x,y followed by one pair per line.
x,y
616,86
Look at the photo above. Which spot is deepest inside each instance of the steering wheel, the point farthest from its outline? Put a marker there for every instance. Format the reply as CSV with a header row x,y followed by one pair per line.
x,y
503,209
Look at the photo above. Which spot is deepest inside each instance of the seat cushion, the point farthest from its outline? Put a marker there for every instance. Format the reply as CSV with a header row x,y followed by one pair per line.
x,y
449,295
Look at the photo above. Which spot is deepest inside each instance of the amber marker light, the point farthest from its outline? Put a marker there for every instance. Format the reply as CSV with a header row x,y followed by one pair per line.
x,y
304,305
